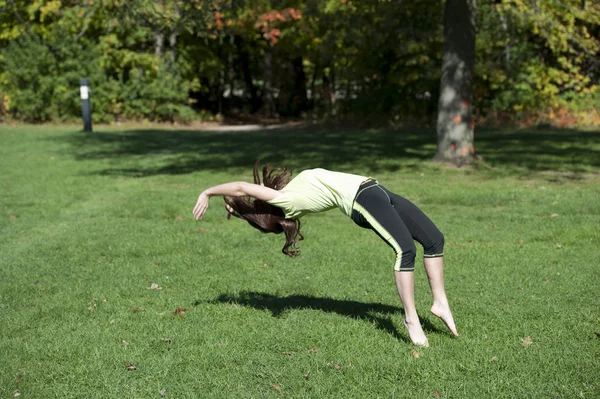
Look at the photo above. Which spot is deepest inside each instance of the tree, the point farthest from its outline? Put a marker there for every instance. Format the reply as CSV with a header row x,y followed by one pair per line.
x,y
455,124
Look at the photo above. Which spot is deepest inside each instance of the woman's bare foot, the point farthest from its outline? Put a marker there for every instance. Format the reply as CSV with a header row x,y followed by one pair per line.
x,y
416,334
443,312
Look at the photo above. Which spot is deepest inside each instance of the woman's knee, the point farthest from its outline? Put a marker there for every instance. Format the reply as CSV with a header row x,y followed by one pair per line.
x,y
436,244
405,259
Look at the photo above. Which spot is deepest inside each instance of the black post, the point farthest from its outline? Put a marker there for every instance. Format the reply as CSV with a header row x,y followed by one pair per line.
x,y
86,106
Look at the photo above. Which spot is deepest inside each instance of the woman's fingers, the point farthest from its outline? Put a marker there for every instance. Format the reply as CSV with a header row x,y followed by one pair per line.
x,y
199,212
196,210
200,208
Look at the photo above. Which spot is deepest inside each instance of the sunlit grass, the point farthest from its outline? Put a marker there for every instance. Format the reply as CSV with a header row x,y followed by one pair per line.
x,y
89,223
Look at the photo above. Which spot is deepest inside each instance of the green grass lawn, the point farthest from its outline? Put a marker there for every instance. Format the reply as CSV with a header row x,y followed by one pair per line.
x,y
89,222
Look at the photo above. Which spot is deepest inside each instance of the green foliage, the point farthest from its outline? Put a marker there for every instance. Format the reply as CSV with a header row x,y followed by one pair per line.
x,y
43,78
162,95
158,60
532,54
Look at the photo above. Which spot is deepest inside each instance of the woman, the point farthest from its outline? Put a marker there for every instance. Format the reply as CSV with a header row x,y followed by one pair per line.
x,y
276,204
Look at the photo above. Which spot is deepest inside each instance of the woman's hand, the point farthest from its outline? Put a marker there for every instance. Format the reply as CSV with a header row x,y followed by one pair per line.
x,y
201,206
233,189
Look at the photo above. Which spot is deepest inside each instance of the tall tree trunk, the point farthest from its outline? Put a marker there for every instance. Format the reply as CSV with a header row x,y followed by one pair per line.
x,y
267,96
455,122
299,99
173,47
231,70
246,71
159,43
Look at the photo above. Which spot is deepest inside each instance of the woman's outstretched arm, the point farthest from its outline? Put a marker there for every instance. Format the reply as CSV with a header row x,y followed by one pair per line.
x,y
234,189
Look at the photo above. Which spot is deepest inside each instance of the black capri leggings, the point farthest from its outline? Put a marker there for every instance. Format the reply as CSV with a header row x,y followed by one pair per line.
x,y
398,222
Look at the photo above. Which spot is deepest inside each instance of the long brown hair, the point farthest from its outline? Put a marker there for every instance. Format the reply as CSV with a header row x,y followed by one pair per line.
x,y
266,217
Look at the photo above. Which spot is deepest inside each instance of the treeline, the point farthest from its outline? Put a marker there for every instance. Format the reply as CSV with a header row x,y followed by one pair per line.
x,y
176,60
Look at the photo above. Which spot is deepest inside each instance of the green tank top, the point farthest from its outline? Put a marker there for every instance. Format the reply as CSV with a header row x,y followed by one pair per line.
x,y
318,190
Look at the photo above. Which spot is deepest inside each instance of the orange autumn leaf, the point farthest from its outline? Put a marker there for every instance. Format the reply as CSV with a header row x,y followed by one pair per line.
x,y
180,311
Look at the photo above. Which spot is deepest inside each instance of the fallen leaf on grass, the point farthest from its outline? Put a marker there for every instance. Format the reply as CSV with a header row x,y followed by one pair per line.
x,y
16,394
178,312
554,215
162,392
156,287
494,358
415,354
313,350
276,387
93,305
306,375
334,365
288,353
597,334
527,341
156,263
179,219
13,217
547,281
125,343
134,309
169,340
130,366
201,230
559,246
437,394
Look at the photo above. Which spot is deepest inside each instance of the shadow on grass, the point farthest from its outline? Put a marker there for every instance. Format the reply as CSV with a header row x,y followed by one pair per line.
x,y
140,153
534,149
143,153
376,313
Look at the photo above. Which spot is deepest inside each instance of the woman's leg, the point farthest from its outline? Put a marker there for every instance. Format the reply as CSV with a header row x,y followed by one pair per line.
x,y
434,267
424,231
373,209
405,282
